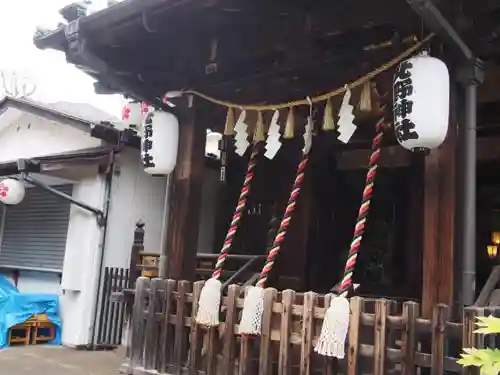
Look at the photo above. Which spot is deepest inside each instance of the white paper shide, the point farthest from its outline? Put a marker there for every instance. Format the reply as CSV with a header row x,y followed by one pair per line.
x,y
241,134
273,143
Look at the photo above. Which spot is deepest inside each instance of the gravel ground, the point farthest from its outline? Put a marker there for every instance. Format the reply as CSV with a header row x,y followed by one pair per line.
x,y
56,360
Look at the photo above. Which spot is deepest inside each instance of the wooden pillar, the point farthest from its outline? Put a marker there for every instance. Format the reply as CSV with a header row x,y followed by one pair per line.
x,y
414,223
185,198
438,226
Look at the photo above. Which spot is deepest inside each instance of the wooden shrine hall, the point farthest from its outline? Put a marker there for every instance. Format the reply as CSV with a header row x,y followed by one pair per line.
x,y
259,52
297,70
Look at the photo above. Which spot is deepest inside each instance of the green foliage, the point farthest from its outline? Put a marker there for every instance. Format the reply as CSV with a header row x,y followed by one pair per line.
x,y
488,360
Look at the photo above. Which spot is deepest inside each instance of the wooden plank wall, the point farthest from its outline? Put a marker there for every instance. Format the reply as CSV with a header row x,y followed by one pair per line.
x,y
385,336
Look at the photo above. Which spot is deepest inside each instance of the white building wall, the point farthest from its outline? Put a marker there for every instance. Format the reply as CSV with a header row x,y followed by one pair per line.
x,y
30,136
77,287
39,282
135,196
81,264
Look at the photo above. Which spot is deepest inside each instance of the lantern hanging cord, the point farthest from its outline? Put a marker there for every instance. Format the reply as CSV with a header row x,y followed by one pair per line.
x,y
358,82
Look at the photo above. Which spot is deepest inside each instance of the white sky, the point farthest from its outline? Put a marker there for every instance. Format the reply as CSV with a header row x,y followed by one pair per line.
x,y
55,79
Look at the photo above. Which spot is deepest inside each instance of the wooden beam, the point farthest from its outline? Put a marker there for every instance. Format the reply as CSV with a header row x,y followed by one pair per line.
x,y
438,225
488,148
488,91
391,157
185,199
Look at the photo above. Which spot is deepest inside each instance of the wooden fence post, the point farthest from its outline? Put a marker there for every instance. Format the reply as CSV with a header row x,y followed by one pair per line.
x,y
179,340
152,333
265,357
288,298
408,337
166,330
245,358
354,326
229,339
440,316
137,247
381,312
194,339
468,335
310,300
137,331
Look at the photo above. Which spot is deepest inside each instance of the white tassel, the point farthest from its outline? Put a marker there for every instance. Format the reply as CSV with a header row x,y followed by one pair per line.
x,y
253,307
331,341
209,303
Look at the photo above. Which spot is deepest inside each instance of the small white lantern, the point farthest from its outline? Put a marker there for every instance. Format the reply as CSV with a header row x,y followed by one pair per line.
x,y
11,191
212,143
159,143
421,101
134,113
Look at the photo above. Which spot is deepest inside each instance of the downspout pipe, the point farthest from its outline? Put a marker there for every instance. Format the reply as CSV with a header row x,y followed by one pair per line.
x,y
102,247
470,75
162,272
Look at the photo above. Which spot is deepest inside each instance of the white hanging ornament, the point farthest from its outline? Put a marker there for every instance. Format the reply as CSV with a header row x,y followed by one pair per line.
x,y
421,101
241,134
12,191
273,143
159,143
308,132
253,308
345,125
331,341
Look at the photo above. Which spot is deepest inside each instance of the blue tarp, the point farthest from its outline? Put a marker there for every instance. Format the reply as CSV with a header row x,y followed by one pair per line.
x,y
16,308
6,288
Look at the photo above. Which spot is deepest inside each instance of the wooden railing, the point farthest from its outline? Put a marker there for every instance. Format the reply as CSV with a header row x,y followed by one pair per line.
x,y
113,313
385,337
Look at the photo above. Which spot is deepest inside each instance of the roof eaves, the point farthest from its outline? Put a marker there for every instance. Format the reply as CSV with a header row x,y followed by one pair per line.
x,y
45,112
104,18
105,131
73,41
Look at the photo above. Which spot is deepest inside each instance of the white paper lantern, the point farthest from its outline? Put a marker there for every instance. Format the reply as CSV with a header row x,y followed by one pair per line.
x,y
212,143
134,113
11,191
159,144
421,101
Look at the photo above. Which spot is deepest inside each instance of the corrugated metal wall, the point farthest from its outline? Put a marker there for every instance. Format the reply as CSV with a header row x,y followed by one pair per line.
x,y
35,231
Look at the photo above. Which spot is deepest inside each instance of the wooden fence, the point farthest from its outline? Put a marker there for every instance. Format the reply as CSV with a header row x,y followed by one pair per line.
x,y
385,337
112,313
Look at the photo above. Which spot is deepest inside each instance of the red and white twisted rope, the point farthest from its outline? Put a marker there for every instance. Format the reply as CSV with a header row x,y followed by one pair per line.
x,y
359,229
285,222
240,206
